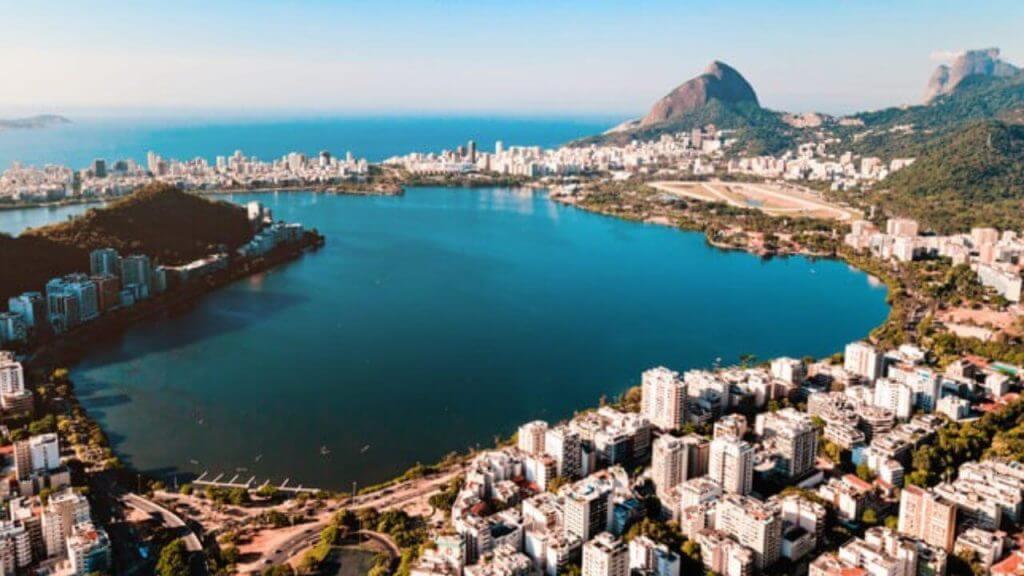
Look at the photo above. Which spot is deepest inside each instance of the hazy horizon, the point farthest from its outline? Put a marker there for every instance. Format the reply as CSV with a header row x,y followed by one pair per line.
x,y
570,59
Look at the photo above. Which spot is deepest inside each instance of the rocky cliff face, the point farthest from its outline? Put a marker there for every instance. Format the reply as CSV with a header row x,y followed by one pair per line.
x,y
718,82
986,62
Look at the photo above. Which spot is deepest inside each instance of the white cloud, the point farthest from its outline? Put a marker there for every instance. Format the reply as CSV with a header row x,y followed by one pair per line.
x,y
945,55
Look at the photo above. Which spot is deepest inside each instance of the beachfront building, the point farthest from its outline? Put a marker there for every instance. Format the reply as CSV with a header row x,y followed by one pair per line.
x,y
663,398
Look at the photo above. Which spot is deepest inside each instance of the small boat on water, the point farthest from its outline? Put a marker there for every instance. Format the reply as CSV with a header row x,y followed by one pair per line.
x,y
258,458
364,449
194,462
324,450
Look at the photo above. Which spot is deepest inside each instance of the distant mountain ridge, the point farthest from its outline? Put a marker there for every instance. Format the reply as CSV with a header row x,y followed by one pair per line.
x,y
721,96
987,62
719,82
31,122
968,138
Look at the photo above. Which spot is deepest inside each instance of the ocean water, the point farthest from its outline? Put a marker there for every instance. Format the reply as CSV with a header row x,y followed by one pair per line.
x,y
434,321
375,138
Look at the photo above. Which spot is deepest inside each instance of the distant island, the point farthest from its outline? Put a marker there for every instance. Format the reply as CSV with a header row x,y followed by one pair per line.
x,y
33,122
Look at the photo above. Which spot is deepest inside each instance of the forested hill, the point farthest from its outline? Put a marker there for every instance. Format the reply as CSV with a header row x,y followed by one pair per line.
x,y
973,176
976,98
163,222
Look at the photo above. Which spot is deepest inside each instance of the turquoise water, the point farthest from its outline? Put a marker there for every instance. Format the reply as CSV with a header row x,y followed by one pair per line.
x,y
434,321
376,139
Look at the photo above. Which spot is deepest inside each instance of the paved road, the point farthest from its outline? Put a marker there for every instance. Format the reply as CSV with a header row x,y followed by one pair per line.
x,y
386,499
310,537
170,519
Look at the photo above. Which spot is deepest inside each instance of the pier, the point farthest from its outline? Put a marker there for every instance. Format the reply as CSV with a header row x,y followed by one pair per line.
x,y
239,481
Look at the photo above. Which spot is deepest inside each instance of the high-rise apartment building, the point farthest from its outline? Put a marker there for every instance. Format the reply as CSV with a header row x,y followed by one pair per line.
x,y
731,464
565,446
104,261
664,398
927,517
863,360
753,524
530,438
668,463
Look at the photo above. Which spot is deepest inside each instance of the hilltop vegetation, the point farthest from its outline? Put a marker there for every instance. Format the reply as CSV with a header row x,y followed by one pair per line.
x,y
976,98
161,221
971,177
760,131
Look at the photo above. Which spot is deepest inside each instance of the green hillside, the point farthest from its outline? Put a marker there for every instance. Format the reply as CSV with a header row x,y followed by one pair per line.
x,y
973,176
976,98
759,130
163,222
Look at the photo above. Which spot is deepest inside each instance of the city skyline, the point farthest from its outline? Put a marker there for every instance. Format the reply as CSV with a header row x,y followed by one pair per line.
x,y
477,58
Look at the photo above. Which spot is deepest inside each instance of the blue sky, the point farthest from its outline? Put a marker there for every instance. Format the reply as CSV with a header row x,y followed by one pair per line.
x,y
481,57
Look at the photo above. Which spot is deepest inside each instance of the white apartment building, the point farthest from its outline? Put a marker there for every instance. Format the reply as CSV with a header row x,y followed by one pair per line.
x,y
731,464
564,445
530,437
663,398
652,558
863,360
896,397
605,555
753,524
15,547
587,507
790,370
927,517
790,435
63,511
668,463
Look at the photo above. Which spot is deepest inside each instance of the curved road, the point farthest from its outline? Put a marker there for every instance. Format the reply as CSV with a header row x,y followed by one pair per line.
x,y
169,519
384,499
310,537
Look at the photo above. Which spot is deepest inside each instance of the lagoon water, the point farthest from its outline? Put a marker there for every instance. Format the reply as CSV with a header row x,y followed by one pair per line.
x,y
434,321
14,222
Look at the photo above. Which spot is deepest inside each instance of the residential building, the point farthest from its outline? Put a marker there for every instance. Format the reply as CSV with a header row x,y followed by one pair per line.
x,y
723,555
791,436
652,558
863,360
565,446
88,550
663,398
587,507
731,464
605,555
668,463
104,261
137,275
925,516
530,437
753,524
63,511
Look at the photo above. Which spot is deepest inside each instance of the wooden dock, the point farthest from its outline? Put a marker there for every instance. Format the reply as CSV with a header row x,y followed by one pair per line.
x,y
239,481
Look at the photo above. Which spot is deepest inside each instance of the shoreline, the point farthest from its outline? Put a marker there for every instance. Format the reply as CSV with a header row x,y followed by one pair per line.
x,y
60,353
69,353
